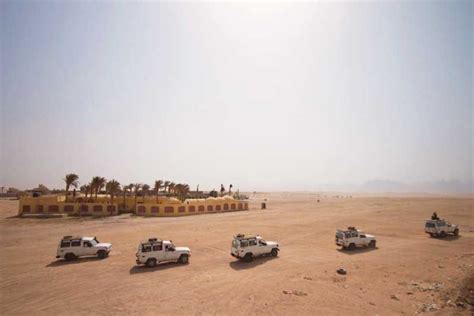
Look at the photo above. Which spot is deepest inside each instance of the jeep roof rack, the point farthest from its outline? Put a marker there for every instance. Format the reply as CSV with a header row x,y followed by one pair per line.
x,y
71,237
152,240
243,236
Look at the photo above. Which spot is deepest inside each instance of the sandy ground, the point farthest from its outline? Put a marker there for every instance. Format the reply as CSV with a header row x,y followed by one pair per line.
x,y
404,275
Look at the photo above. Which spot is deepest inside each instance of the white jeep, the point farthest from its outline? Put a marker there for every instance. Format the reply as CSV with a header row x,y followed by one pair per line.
x,y
247,247
72,247
154,251
440,227
352,238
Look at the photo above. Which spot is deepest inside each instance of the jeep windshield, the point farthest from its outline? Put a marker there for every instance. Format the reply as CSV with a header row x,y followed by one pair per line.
x,y
235,243
94,242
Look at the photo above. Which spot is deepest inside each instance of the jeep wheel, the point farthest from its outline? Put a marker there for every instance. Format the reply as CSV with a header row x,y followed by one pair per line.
x,y
248,257
274,252
151,263
352,246
456,232
442,234
183,259
69,257
372,244
101,254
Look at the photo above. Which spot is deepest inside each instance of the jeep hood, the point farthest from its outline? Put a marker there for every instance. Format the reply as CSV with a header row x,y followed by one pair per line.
x,y
369,236
272,243
182,249
103,245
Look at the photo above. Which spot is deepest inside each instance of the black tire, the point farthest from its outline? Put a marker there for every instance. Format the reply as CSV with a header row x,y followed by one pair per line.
x,y
372,244
352,246
70,256
456,232
432,235
183,259
442,234
274,252
248,257
101,254
151,263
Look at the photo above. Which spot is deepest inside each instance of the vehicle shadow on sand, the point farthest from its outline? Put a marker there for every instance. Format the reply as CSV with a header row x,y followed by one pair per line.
x,y
357,251
447,238
159,267
242,265
59,263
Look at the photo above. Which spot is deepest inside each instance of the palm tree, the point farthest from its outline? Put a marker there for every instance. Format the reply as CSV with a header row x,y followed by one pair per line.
x,y
171,187
182,190
112,187
145,190
125,190
71,179
166,185
158,186
137,187
97,184
85,190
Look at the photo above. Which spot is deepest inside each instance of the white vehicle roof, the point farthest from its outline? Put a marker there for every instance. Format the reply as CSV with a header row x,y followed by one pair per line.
x,y
77,237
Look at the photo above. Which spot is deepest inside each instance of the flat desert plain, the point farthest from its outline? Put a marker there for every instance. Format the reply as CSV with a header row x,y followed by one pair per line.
x,y
408,273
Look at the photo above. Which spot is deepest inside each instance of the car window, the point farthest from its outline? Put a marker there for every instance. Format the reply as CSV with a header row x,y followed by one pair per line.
x,y
157,247
76,243
146,248
87,244
65,244
244,243
354,234
252,242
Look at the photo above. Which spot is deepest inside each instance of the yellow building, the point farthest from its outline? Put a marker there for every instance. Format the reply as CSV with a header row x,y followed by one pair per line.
x,y
144,206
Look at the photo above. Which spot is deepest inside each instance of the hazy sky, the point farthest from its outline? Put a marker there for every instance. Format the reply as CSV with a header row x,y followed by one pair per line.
x,y
264,96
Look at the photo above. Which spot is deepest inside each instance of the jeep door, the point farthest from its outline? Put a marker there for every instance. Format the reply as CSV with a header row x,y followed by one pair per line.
x,y
170,253
157,252
441,226
262,247
254,247
363,240
87,248
76,247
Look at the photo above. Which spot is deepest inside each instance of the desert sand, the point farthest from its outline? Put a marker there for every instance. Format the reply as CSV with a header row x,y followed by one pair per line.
x,y
408,273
